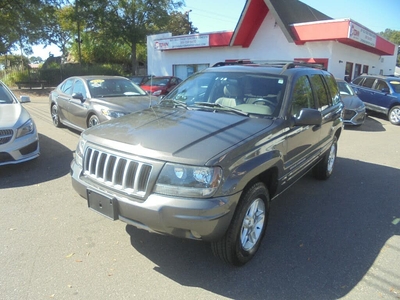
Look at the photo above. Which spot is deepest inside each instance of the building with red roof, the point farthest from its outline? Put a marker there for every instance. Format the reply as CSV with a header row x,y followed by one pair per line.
x,y
277,30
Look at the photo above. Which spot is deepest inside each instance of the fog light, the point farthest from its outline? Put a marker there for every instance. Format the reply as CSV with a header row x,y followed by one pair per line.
x,y
195,234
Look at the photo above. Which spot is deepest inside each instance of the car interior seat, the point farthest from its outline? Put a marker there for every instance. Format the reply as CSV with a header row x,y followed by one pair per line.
x,y
230,94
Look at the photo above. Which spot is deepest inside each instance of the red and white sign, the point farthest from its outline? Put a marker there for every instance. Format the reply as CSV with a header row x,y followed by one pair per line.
x,y
190,41
362,35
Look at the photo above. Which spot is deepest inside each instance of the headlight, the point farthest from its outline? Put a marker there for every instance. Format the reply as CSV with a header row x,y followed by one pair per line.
x,y
188,181
80,151
157,93
112,113
25,129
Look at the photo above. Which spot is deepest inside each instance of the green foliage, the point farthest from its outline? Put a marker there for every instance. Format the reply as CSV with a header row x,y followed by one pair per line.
x,y
394,37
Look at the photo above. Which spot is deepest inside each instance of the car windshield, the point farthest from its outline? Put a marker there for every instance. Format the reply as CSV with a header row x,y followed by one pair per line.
x,y
395,85
249,93
157,81
5,97
113,87
345,88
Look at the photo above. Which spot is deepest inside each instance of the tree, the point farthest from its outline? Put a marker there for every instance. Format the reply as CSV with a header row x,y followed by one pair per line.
x,y
20,23
128,22
394,37
179,24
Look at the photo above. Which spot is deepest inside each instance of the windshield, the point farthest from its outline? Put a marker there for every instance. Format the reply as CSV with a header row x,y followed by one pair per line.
x,y
345,88
395,85
114,87
254,94
5,96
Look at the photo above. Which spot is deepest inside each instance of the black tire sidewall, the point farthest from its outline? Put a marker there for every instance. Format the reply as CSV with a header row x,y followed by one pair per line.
x,y
257,191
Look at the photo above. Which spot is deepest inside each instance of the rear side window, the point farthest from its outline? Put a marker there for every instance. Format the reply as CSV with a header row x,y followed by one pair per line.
x,y
358,80
368,82
67,86
320,91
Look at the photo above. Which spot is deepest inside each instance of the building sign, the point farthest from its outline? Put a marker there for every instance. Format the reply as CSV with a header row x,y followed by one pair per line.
x,y
362,35
190,41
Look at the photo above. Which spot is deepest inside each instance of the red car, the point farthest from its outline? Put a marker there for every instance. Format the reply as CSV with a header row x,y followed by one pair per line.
x,y
160,85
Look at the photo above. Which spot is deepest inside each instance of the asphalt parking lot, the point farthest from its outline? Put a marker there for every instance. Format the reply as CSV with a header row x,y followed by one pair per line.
x,y
335,239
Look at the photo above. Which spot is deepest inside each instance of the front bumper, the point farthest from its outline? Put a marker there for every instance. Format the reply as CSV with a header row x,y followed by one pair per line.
x,y
20,150
354,117
201,219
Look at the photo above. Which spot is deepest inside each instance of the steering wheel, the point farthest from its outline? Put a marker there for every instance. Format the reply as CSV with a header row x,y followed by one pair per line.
x,y
264,102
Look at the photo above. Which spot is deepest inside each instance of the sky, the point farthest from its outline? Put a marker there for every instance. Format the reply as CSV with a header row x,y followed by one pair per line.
x,y
223,15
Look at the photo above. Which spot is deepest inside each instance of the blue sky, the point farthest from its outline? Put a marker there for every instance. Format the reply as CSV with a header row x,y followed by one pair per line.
x,y
220,15
377,15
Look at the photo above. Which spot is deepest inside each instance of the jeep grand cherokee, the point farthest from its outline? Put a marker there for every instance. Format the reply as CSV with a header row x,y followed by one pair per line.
x,y
207,160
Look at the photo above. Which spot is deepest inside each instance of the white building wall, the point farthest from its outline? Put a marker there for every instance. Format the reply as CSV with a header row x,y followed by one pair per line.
x,y
268,44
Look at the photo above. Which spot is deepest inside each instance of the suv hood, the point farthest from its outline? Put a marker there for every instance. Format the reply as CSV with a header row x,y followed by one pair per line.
x,y
176,135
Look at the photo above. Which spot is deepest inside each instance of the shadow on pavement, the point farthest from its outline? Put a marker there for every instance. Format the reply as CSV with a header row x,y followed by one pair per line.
x,y
322,238
371,124
53,162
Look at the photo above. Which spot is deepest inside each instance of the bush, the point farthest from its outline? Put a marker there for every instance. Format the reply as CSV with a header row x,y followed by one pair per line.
x,y
54,73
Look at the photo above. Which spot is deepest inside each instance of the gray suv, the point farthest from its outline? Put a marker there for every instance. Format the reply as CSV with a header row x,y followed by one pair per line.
x,y
207,160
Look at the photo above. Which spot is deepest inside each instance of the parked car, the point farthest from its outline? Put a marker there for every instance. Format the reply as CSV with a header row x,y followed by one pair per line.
x,y
205,163
354,112
85,101
139,79
161,85
19,140
380,94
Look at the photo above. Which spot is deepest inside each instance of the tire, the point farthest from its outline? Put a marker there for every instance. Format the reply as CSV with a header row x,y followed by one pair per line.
x,y
93,121
55,117
247,228
324,169
394,115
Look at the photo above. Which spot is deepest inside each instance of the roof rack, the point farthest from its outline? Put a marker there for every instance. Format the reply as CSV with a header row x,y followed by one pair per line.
x,y
271,63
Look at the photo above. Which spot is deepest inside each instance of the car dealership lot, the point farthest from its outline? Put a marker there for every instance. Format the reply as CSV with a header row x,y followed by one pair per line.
x,y
325,240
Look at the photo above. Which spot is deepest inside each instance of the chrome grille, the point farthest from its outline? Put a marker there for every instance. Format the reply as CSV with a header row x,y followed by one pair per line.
x,y
125,175
5,135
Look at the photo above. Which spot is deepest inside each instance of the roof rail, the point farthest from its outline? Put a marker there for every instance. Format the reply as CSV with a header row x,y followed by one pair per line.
x,y
230,63
284,64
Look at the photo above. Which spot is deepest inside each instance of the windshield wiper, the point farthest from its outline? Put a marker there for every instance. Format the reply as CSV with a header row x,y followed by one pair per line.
x,y
175,103
222,107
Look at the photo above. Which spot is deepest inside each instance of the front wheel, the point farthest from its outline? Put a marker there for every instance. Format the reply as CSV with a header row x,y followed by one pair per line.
x,y
323,170
244,235
93,121
394,115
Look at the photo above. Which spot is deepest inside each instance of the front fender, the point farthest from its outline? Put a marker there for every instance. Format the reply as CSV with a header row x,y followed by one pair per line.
x,y
249,167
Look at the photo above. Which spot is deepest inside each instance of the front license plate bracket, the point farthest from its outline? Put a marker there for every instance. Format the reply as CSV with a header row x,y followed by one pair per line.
x,y
104,205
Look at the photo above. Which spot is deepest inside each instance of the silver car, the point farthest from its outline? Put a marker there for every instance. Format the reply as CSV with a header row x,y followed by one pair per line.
x,y
19,140
81,102
354,112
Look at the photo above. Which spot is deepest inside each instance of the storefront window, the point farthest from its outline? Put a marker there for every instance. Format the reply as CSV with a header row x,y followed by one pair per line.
x,y
184,71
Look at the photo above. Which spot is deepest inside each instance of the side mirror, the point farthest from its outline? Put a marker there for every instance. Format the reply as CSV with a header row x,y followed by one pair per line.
x,y
24,99
386,91
78,96
308,116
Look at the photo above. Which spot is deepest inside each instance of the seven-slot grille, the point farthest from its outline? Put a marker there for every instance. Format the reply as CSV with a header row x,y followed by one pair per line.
x,y
125,175
5,135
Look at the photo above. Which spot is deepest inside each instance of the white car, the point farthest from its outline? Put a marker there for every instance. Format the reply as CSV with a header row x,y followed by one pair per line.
x,y
19,140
